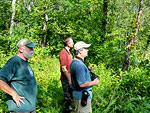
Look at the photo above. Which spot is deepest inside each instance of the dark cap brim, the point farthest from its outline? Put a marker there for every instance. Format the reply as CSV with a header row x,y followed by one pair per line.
x,y
31,45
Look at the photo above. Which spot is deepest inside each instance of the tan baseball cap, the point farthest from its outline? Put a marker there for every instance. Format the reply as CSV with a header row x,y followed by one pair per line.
x,y
79,45
25,42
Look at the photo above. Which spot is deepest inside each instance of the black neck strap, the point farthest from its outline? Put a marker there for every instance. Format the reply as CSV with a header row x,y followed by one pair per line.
x,y
67,50
80,59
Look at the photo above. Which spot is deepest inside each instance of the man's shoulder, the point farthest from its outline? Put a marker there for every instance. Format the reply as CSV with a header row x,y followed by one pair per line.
x,y
77,62
63,52
14,60
10,63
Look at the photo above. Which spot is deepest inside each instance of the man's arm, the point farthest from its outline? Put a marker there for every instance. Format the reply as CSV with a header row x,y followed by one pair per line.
x,y
6,88
65,71
89,83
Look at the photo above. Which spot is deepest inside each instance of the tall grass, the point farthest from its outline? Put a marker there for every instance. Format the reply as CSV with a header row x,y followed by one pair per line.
x,y
124,92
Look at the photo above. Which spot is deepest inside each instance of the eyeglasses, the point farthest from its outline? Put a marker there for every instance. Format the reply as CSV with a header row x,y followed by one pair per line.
x,y
85,48
31,48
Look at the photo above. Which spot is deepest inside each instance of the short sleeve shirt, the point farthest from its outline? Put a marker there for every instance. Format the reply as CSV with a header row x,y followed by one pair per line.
x,y
19,75
65,59
82,74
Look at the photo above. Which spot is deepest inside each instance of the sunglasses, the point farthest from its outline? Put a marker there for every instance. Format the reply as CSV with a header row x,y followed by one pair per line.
x,y
85,48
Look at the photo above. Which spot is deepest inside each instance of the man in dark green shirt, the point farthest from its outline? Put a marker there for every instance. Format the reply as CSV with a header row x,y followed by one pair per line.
x,y
18,81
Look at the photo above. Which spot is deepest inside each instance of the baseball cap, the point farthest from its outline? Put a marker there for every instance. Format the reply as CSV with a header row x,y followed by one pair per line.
x,y
25,42
79,45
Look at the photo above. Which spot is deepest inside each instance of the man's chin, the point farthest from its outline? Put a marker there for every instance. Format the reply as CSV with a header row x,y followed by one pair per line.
x,y
71,48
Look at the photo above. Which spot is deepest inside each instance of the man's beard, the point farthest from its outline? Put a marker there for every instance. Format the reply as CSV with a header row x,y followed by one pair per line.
x,y
28,55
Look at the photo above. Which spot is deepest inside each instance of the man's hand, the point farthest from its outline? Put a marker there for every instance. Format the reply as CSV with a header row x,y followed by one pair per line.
x,y
96,81
90,68
70,82
89,83
64,69
18,99
6,88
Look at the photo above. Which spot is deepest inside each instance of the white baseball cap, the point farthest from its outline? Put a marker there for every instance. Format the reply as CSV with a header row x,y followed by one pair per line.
x,y
79,45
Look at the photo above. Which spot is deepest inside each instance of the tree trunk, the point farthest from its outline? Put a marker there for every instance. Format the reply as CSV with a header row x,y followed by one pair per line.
x,y
148,41
104,21
61,6
132,39
13,15
44,39
139,16
30,6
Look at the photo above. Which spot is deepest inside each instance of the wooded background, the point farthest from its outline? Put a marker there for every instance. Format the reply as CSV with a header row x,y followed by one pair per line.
x,y
118,31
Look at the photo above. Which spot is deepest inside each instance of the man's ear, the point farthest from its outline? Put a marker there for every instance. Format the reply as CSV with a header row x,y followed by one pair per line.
x,y
80,51
20,50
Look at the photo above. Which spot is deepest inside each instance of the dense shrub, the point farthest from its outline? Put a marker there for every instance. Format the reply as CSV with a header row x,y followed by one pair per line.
x,y
118,91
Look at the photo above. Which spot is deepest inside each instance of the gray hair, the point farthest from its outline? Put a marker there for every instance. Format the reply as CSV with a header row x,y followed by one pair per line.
x,y
77,51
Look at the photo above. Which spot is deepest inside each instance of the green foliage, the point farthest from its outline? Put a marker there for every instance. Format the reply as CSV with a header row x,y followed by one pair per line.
x,y
4,44
126,92
5,13
117,91
3,107
49,87
82,20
